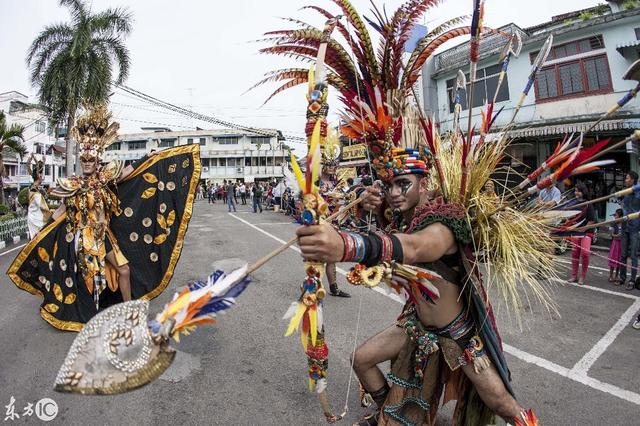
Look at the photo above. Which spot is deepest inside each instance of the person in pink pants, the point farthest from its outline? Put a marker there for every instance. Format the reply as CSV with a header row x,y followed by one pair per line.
x,y
582,244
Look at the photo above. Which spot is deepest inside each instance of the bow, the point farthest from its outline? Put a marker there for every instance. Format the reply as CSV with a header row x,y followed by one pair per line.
x,y
306,315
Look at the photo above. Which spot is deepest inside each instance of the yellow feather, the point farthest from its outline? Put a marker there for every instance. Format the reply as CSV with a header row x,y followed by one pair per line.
x,y
297,172
294,324
314,151
304,339
311,78
313,325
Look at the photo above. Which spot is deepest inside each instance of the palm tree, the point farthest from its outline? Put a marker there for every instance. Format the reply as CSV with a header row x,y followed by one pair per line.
x,y
74,62
10,142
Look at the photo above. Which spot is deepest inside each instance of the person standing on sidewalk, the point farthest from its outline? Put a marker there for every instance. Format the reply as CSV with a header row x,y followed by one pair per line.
x,y
582,245
614,249
629,237
243,194
257,196
230,191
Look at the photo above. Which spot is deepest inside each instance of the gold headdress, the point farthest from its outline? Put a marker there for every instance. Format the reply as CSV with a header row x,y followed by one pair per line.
x,y
94,131
331,149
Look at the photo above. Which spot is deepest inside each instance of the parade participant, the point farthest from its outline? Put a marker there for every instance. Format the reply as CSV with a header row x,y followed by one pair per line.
x,y
118,233
630,237
582,244
429,233
38,212
446,333
329,190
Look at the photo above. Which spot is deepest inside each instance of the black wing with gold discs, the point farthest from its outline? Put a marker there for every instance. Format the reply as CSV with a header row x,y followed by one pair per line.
x,y
155,206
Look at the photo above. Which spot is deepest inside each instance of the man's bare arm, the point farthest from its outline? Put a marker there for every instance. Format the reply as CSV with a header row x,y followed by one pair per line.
x,y
323,243
427,245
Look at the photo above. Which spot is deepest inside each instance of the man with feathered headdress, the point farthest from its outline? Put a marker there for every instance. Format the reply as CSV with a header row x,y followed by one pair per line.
x,y
442,339
118,232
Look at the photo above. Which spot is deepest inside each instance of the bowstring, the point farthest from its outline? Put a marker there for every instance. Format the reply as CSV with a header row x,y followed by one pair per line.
x,y
369,224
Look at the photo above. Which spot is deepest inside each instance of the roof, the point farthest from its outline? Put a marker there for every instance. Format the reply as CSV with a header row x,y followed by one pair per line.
x,y
458,56
633,43
577,125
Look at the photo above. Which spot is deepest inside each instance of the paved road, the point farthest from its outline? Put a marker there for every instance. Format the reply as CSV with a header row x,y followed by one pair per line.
x,y
580,368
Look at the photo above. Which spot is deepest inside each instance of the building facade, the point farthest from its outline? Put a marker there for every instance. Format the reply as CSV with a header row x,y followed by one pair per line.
x,y
39,138
225,153
580,80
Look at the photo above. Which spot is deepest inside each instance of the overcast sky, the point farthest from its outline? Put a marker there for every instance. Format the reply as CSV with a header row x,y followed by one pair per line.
x,y
200,54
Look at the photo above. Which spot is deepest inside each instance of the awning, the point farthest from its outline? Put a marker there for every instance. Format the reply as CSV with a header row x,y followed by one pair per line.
x,y
561,129
622,46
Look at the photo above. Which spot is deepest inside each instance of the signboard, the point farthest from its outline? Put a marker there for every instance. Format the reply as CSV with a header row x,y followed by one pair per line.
x,y
354,152
346,173
249,179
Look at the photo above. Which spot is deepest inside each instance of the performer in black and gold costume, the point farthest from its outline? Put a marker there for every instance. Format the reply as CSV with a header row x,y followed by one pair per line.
x,y
118,233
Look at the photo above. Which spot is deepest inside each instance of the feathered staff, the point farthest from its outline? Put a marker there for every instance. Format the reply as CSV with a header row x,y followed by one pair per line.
x,y
119,350
512,48
580,161
461,84
306,314
537,64
474,53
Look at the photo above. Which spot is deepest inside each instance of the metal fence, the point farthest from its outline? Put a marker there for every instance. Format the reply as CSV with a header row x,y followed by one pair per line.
x,y
13,227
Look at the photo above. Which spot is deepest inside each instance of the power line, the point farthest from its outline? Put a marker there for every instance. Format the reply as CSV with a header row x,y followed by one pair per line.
x,y
192,114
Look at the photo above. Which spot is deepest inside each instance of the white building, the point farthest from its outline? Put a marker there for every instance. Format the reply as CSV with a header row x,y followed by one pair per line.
x,y
580,80
39,139
225,153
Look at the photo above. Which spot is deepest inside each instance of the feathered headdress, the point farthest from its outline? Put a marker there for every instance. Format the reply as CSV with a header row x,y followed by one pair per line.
x,y
373,86
94,131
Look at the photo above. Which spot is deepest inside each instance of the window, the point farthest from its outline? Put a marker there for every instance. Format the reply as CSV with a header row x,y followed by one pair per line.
x,y
39,148
226,140
261,140
114,147
189,141
41,126
205,162
166,143
483,89
222,162
47,169
573,48
213,162
136,145
231,162
203,141
583,77
637,30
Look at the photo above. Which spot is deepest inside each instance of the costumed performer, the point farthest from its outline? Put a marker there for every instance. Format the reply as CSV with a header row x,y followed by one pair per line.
x,y
38,212
118,233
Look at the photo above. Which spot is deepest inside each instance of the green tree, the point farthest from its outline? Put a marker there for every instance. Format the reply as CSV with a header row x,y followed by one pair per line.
x,y
11,138
74,62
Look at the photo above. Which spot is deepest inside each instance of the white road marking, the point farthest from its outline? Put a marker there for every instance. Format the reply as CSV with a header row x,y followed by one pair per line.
x,y
601,290
275,223
597,268
13,249
587,361
573,375
578,373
